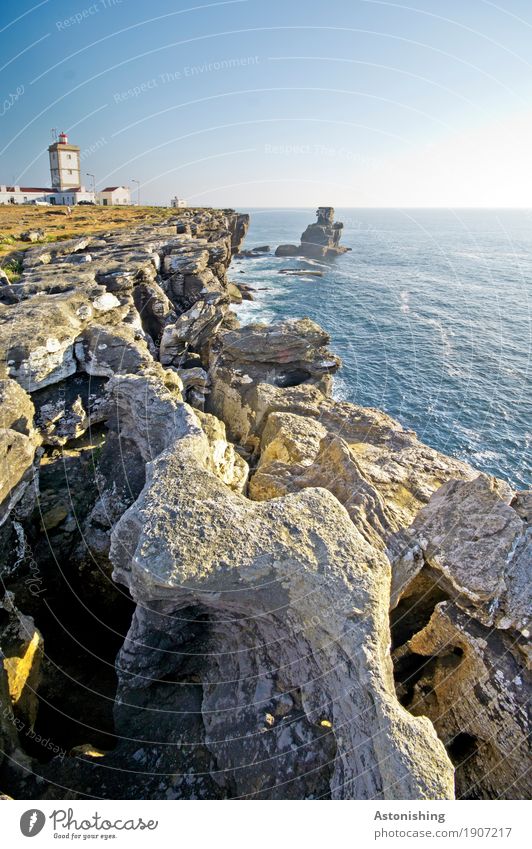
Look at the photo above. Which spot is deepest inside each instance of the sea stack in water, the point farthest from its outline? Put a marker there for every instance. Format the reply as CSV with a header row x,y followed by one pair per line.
x,y
319,240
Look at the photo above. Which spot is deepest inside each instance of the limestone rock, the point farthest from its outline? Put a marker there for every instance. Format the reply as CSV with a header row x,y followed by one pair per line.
x,y
476,547
380,472
70,330
294,577
257,661
147,411
105,351
288,438
186,261
154,308
461,598
471,681
201,285
254,253
79,258
65,411
284,354
193,329
234,292
286,342
16,408
197,377
322,238
224,461
37,337
244,291
319,240
31,235
239,225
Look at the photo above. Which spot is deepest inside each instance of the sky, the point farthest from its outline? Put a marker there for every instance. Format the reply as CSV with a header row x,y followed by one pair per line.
x,y
279,103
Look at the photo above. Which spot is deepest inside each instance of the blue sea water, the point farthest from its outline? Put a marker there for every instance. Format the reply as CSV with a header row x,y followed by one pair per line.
x,y
431,313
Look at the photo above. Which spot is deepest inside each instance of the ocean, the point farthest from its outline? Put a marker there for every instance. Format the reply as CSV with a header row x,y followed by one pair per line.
x,y
431,315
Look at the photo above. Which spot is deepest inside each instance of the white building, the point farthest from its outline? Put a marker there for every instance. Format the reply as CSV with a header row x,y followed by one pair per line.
x,y
178,203
32,194
115,196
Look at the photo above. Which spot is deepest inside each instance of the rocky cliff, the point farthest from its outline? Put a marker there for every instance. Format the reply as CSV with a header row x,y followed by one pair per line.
x,y
217,581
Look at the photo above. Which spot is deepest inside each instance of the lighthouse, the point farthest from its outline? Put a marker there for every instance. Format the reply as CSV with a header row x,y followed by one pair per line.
x,y
64,164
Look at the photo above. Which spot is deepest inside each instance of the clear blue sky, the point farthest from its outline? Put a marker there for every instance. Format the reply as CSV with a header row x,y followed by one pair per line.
x,y
279,103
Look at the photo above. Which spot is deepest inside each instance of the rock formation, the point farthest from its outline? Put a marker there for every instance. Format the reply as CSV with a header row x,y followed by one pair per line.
x,y
200,548
462,588
319,240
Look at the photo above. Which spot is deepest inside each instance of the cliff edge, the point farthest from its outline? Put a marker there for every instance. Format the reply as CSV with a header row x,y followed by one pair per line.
x,y
218,582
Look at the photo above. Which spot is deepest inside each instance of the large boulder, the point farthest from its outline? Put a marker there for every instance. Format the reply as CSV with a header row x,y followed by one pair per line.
x,y
474,540
295,602
285,354
34,235
192,331
103,351
39,334
287,250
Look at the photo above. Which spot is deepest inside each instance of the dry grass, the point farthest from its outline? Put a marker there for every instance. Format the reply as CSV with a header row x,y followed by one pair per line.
x,y
15,219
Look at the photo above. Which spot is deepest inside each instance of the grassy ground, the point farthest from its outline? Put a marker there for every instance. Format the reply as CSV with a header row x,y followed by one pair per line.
x,y
15,219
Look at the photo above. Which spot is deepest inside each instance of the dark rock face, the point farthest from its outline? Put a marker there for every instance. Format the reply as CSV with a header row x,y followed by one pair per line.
x,y
254,253
197,544
319,240
287,250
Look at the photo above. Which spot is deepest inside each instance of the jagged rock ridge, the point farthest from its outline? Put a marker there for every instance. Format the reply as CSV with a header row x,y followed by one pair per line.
x,y
200,548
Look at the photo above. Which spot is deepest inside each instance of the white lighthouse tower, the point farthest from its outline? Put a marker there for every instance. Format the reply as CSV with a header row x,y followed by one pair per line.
x,y
64,165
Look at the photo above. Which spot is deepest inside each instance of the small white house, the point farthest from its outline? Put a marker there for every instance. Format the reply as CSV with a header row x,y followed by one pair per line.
x,y
115,196
178,203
